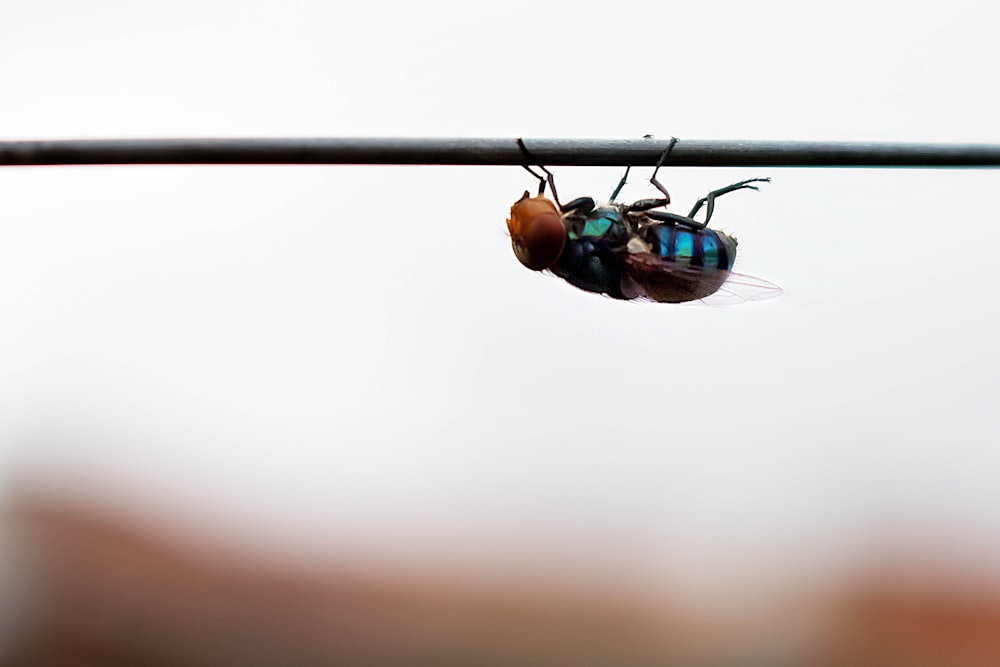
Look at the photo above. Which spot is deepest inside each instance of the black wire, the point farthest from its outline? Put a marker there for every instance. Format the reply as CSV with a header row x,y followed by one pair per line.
x,y
472,151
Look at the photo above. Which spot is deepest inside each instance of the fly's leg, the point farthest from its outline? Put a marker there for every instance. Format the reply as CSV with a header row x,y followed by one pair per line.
x,y
621,184
683,220
542,180
646,204
652,179
709,199
581,204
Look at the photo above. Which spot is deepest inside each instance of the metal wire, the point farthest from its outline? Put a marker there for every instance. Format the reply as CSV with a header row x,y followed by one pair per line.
x,y
472,151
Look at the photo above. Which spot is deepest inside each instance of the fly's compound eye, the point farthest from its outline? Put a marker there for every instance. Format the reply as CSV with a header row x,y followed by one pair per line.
x,y
537,232
541,241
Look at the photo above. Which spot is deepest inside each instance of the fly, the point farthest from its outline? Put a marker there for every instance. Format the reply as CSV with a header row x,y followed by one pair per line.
x,y
632,251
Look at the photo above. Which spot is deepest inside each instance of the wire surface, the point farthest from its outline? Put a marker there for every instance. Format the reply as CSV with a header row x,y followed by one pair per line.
x,y
491,151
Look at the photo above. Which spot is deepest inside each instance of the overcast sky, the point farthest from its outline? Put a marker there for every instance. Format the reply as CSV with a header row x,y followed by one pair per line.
x,y
349,358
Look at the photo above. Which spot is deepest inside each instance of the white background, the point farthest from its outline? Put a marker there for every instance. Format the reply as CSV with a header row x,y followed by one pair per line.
x,y
349,360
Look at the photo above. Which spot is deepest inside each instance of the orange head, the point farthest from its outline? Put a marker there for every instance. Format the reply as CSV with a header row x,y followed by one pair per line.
x,y
537,231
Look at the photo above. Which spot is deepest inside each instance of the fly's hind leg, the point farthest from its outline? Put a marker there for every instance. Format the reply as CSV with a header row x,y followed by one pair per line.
x,y
580,205
709,199
682,220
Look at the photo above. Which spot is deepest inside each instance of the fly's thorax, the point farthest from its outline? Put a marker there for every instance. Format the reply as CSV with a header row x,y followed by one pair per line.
x,y
594,241
605,225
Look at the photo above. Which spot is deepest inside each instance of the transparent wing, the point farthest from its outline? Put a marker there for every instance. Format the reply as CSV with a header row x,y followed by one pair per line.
x,y
741,288
647,276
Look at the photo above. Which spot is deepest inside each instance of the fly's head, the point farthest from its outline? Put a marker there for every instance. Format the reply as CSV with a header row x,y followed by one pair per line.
x,y
537,232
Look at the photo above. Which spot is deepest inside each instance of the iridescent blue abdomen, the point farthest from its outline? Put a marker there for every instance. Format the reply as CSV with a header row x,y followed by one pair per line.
x,y
681,264
698,247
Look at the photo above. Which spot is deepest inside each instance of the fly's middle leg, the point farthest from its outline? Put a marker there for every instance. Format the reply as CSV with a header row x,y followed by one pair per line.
x,y
652,179
646,204
621,184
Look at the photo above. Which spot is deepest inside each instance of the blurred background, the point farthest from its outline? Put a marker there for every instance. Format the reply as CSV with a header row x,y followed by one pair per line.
x,y
309,413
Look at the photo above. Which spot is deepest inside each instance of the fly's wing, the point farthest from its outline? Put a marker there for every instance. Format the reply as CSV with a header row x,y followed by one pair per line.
x,y
741,288
648,275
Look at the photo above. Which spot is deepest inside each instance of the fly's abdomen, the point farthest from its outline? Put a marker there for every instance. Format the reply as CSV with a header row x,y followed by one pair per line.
x,y
706,248
681,264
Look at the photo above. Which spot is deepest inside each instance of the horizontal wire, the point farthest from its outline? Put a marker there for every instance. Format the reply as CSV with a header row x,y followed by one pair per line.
x,y
473,151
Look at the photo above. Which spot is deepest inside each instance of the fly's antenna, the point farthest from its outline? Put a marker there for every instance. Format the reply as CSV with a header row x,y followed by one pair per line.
x,y
542,180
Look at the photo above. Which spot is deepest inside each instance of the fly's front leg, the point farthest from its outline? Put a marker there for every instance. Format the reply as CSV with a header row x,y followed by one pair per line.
x,y
542,180
580,204
709,199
